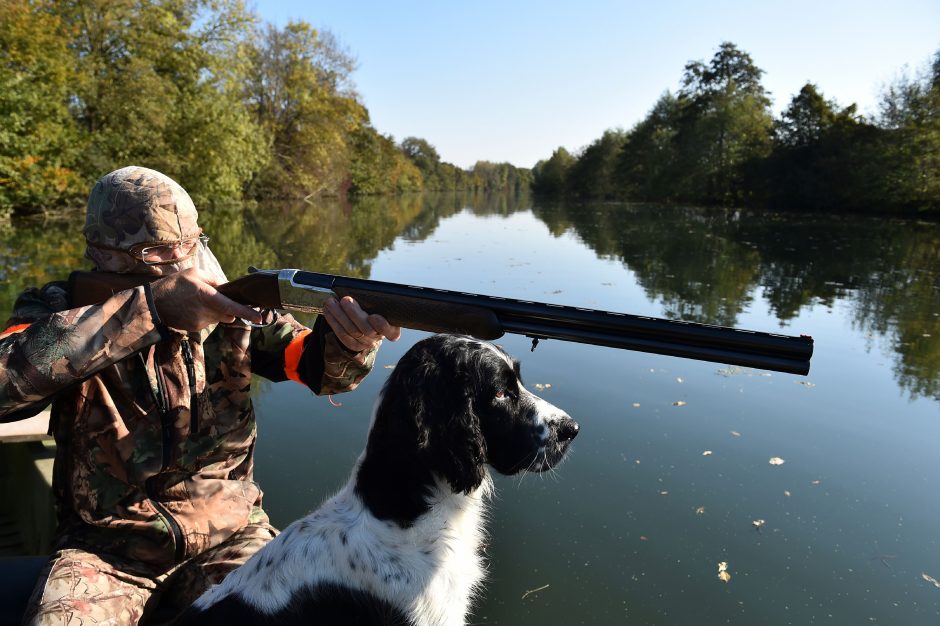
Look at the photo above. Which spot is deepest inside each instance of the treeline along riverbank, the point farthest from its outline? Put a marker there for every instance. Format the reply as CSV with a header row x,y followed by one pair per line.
x,y
236,109
716,141
202,90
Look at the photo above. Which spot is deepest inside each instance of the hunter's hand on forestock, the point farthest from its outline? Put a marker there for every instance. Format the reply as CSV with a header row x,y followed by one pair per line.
x,y
188,300
356,329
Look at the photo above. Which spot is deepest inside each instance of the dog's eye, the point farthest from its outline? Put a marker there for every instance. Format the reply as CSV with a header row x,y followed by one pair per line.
x,y
502,394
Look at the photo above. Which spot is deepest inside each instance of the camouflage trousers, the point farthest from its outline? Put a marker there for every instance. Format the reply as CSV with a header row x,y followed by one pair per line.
x,y
80,587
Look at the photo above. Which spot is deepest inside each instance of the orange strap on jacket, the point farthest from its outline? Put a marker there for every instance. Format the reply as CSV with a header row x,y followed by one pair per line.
x,y
12,330
292,354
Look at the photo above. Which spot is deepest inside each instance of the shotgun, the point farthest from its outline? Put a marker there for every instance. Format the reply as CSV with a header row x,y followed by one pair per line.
x,y
489,317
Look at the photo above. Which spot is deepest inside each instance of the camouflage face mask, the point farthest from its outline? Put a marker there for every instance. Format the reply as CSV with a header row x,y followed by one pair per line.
x,y
134,207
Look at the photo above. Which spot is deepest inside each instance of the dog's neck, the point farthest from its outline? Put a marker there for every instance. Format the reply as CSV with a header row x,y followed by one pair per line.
x,y
395,486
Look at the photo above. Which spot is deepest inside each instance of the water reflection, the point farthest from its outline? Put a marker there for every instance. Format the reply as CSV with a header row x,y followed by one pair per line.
x,y
705,266
702,265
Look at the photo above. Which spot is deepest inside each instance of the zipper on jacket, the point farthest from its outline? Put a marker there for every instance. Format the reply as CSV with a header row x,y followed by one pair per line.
x,y
191,373
166,424
179,545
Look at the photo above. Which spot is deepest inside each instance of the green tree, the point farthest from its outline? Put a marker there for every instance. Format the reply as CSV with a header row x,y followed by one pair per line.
x,y
645,167
724,125
824,157
300,95
38,139
215,146
549,177
425,158
910,117
808,118
592,175
157,85
378,166
501,177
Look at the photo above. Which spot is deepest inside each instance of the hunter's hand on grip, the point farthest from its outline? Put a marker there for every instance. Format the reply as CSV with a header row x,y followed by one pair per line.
x,y
189,300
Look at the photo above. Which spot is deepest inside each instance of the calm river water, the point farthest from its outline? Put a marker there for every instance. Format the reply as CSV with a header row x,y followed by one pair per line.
x,y
670,475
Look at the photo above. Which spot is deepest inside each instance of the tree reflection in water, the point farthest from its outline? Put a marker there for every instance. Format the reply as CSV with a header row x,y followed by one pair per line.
x,y
704,265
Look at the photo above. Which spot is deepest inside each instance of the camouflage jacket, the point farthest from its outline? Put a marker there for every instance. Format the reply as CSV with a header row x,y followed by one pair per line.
x,y
154,428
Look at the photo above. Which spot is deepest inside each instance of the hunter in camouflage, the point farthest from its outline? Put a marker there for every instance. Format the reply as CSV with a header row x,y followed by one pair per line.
x,y
151,410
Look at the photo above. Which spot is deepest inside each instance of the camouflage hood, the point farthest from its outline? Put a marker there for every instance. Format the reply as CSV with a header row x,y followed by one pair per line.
x,y
135,206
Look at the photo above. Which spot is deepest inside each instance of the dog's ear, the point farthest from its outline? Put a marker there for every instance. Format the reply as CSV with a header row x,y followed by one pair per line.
x,y
455,441
430,394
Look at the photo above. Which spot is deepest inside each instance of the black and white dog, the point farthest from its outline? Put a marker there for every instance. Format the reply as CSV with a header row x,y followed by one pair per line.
x,y
400,543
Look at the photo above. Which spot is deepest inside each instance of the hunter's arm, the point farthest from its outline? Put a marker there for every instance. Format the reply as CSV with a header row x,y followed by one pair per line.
x,y
47,346
287,350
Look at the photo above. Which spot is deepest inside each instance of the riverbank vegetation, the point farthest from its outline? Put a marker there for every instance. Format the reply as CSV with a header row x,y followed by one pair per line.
x,y
716,141
230,107
237,109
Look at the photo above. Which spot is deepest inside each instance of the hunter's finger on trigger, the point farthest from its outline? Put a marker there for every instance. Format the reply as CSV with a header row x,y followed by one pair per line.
x,y
226,306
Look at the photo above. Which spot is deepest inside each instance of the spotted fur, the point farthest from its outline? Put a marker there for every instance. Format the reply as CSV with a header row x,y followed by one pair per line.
x,y
400,543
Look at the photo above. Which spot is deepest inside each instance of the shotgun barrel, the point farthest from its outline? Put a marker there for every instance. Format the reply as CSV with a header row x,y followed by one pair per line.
x,y
489,317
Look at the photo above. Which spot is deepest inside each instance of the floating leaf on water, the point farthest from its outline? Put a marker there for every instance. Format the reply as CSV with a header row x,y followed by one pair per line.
x,y
700,510
679,403
723,574
930,579
735,433
776,460
707,453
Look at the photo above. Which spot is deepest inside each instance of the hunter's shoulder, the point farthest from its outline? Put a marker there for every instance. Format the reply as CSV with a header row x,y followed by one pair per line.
x,y
39,302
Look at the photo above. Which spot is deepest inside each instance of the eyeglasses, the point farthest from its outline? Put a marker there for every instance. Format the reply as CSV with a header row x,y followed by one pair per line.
x,y
161,253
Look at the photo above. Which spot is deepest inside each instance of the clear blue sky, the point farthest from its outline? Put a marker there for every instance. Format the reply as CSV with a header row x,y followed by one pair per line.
x,y
512,81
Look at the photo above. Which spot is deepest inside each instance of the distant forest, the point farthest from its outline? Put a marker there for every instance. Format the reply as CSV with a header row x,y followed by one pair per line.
x,y
203,91
716,141
238,109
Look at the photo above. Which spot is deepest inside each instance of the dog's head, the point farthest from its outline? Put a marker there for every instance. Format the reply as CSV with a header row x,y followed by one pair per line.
x,y
455,404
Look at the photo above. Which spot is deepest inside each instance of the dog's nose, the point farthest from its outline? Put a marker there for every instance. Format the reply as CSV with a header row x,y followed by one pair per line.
x,y
568,430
